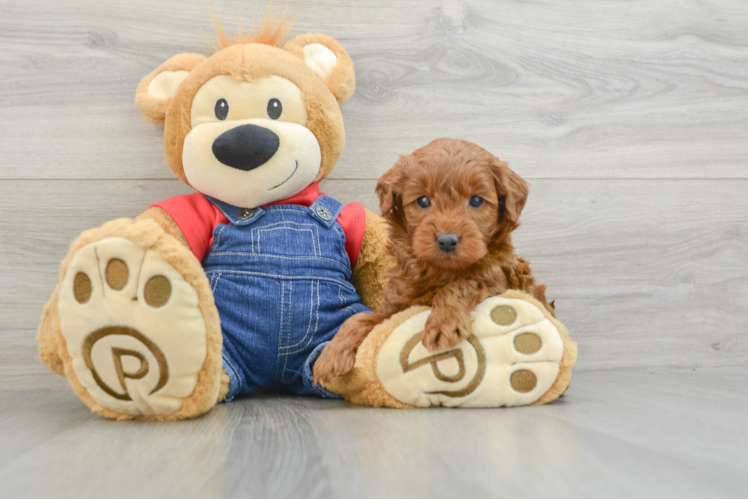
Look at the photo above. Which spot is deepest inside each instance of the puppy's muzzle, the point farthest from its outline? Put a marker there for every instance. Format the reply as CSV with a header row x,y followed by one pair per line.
x,y
246,147
448,242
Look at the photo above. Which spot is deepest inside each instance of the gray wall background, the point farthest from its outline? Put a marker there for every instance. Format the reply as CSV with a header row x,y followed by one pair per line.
x,y
629,119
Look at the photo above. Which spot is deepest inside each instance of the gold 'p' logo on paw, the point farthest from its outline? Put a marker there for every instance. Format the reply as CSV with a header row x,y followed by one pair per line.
x,y
118,353
434,359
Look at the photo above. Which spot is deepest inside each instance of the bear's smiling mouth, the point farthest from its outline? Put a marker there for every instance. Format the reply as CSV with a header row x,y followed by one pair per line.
x,y
287,178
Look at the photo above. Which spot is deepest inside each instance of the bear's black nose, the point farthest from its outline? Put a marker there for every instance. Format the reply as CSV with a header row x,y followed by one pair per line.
x,y
245,147
447,242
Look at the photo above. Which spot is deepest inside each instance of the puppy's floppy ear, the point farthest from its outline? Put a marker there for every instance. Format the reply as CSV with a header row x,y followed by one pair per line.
x,y
512,190
388,190
156,91
328,60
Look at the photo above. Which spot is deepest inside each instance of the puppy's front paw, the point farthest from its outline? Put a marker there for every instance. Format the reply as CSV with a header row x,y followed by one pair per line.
x,y
339,356
335,360
445,329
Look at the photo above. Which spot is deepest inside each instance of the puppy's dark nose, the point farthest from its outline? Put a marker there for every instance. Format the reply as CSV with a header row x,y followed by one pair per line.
x,y
245,147
447,242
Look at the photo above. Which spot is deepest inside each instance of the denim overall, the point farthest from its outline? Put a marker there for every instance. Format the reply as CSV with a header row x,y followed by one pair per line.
x,y
280,276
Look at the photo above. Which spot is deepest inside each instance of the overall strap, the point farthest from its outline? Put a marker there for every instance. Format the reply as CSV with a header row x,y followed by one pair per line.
x,y
325,210
237,216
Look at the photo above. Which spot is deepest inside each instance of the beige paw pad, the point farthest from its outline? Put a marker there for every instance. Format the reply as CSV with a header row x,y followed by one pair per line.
x,y
512,359
133,328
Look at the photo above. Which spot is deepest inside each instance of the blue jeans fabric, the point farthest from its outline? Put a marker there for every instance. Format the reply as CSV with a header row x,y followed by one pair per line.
x,y
280,277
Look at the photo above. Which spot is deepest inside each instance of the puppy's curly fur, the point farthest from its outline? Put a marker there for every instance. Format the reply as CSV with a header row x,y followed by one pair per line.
x,y
455,188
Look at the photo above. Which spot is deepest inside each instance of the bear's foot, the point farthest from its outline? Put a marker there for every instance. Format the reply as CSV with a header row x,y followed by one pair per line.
x,y
517,355
133,321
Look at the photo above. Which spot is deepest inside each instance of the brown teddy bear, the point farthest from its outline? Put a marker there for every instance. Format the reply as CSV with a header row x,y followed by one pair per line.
x,y
241,285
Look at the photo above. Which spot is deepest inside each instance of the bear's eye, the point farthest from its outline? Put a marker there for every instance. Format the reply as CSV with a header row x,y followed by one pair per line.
x,y
222,109
274,109
424,202
476,202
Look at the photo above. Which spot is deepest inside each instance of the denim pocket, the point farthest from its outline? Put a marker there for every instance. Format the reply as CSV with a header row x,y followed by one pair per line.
x,y
287,239
300,315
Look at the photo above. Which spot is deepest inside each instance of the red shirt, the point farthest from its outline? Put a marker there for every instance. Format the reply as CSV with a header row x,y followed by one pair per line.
x,y
197,218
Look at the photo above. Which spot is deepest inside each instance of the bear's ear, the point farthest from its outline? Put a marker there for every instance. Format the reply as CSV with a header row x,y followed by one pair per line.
x,y
328,60
156,90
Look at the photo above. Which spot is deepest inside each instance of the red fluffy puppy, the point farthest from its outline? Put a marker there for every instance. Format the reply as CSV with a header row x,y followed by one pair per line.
x,y
451,206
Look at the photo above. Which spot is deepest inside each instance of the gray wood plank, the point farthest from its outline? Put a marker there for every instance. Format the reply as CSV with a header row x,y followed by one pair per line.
x,y
644,273
671,433
19,361
602,90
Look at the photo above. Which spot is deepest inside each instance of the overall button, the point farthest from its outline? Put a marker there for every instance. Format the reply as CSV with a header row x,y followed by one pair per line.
x,y
324,213
246,213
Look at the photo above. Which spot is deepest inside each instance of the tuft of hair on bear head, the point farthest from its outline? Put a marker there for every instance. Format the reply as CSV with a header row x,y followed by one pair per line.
x,y
268,33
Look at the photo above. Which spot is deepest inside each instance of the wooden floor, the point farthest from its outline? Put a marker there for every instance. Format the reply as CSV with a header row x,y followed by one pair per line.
x,y
621,433
629,119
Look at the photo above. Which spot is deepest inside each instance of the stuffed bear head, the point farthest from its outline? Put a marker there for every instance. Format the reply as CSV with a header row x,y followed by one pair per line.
x,y
256,122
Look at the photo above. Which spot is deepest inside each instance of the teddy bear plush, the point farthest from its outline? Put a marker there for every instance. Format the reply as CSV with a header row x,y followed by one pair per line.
x,y
242,284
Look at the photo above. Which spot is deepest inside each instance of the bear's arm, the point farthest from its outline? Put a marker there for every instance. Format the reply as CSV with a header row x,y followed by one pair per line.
x,y
166,222
370,275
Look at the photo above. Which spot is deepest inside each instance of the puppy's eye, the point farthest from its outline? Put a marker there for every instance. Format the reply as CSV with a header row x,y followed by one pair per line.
x,y
222,109
274,109
424,202
476,202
